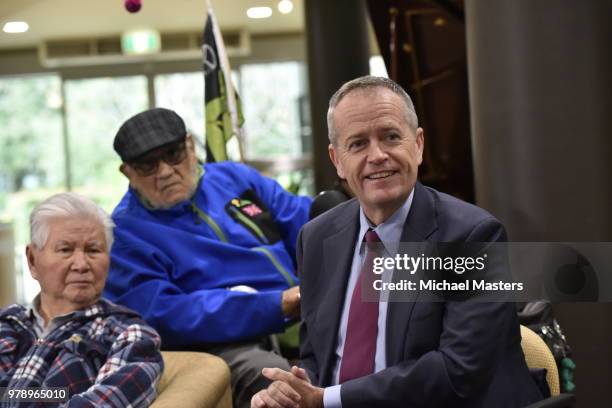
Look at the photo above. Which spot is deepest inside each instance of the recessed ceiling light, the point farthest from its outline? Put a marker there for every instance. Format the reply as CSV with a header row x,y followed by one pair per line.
x,y
15,27
285,6
259,12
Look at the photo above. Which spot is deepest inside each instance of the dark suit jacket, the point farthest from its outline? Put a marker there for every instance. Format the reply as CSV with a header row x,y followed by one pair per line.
x,y
439,354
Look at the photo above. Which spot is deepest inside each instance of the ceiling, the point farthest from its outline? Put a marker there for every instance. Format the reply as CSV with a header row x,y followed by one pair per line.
x,y
55,19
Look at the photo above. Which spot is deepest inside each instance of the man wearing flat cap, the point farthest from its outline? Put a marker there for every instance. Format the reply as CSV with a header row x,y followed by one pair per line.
x,y
204,252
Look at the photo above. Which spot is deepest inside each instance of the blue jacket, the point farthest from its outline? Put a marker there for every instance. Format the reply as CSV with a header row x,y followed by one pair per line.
x,y
211,269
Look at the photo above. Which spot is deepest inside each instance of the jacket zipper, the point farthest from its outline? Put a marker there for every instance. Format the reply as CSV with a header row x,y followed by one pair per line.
x,y
209,221
254,227
215,227
277,264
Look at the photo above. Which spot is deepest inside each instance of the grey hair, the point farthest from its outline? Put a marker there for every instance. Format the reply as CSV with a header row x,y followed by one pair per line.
x,y
67,205
369,82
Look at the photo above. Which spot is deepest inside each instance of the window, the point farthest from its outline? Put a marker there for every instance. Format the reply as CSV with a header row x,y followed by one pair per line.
x,y
31,157
270,99
95,109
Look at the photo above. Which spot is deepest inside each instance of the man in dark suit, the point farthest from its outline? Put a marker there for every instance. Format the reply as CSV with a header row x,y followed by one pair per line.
x,y
356,353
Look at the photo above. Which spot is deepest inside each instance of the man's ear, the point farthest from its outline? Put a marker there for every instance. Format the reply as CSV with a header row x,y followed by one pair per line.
x,y
124,170
31,257
128,172
333,155
190,142
420,142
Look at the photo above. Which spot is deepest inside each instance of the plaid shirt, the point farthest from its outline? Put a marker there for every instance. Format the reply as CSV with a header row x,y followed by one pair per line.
x,y
105,354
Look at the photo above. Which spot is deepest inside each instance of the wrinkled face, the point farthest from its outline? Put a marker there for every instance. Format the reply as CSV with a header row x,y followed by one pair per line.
x,y
72,266
169,183
375,150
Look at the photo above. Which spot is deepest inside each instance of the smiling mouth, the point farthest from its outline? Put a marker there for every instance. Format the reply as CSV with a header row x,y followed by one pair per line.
x,y
380,175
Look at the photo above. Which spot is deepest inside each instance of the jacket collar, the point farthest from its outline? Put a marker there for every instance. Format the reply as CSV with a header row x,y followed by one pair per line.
x,y
421,221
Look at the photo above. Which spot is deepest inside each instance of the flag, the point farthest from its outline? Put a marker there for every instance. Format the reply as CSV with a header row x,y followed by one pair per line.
x,y
223,113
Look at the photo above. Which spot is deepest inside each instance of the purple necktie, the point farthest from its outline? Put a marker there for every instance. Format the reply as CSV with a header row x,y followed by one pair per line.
x,y
362,328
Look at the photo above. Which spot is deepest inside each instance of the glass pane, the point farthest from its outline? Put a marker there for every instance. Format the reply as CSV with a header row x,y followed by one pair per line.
x,y
270,100
95,109
31,162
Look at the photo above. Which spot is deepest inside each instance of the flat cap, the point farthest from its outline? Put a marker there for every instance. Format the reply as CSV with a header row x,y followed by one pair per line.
x,y
146,131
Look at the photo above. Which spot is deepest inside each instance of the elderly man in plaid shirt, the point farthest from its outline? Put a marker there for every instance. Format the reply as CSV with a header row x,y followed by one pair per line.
x,y
104,354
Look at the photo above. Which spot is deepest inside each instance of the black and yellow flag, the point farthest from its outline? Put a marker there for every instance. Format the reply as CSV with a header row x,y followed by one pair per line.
x,y
223,113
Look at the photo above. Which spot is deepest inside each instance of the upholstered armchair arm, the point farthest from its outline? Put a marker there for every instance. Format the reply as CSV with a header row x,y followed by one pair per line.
x,y
193,380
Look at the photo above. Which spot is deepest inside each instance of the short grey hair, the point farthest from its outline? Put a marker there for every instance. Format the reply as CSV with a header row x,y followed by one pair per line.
x,y
369,82
67,205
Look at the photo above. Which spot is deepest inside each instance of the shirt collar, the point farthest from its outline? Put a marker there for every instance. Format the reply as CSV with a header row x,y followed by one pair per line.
x,y
389,231
34,314
37,318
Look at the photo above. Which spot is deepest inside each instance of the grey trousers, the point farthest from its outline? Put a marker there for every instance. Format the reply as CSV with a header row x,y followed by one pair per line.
x,y
246,360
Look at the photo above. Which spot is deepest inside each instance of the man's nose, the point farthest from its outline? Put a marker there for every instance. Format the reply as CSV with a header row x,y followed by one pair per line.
x,y
164,169
79,261
377,153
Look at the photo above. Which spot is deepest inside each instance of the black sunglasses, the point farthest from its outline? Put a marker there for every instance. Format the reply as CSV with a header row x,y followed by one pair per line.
x,y
172,155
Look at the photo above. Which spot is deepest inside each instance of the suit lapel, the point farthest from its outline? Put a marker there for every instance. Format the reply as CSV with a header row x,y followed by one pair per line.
x,y
422,220
420,224
338,257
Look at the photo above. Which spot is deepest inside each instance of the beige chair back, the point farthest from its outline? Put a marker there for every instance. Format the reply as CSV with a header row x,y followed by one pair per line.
x,y
538,355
